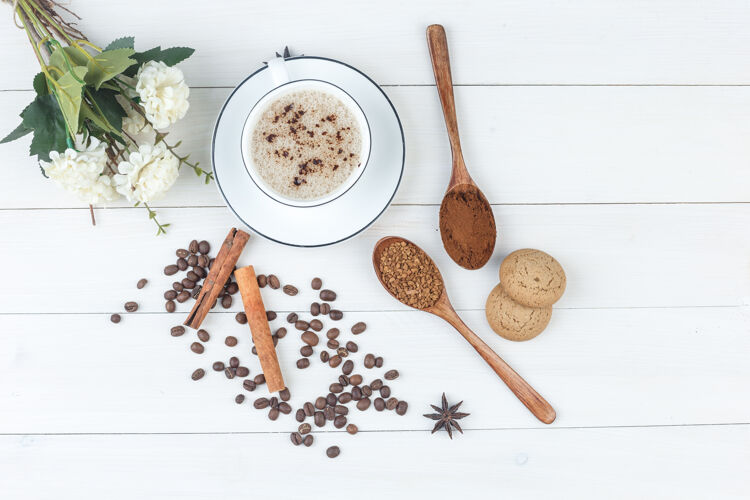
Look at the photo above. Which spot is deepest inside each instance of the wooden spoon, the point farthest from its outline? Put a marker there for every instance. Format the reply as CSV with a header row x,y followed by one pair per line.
x,y
443,308
468,240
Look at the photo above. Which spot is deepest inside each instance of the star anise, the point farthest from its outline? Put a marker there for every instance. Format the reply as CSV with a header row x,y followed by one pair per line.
x,y
446,417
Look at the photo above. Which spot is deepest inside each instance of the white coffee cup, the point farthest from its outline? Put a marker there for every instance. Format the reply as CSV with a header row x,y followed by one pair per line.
x,y
295,86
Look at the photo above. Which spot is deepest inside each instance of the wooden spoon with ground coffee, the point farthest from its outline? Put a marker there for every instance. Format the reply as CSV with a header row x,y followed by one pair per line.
x,y
410,275
467,225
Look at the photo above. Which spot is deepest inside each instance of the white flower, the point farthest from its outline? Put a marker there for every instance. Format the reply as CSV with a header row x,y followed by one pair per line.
x,y
81,172
147,174
163,92
134,123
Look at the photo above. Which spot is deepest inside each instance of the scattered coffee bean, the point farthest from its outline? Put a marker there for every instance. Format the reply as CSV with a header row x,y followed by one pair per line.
x,y
261,403
352,346
319,419
230,341
284,394
296,438
385,391
233,288
188,283
333,452
203,335
299,415
196,347
115,318
359,328
226,301
301,325
329,413
324,356
243,371
316,325
200,272
170,295
306,350
391,375
376,384
170,306
314,308
316,283
303,363
249,385
281,333
308,441
177,286
352,429
285,408
379,362
218,366
262,280
192,276
198,374
254,351
182,264
234,362
363,404
193,247
327,295
241,318
291,318
402,407
260,379
391,404
379,404
334,361
341,351
196,291
355,379
333,344
274,282
203,260
239,398
183,296
230,372
356,393
310,338
308,408
369,360
339,421
366,391
304,428
171,269
270,315
325,308
190,261
336,387
131,306
176,331
204,247
320,402
274,402
141,283
348,367
341,410
181,253
345,397
335,314
331,399
332,333
290,290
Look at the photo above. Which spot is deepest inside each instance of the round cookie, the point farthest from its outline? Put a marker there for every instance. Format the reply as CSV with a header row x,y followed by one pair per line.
x,y
532,277
514,321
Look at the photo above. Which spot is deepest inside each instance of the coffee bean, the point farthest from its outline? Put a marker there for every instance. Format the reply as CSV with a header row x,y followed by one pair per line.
x,y
141,283
333,452
341,351
230,341
308,441
363,404
190,261
352,347
254,351
281,332
171,269
316,325
193,247
369,360
203,261
376,384
332,399
192,276
218,366
402,407
341,410
310,338
301,325
379,404
333,344
226,301
187,283
296,438
379,362
176,331
290,290
170,306
309,409
359,328
391,375
356,393
336,387
183,296
329,413
131,306
385,391
170,295
182,264
199,272
303,363
335,314
345,397
270,315
177,286
273,413
291,318
273,281
115,318
181,253
391,403
260,379
319,419
348,367
196,292
198,374
314,308
355,379
320,402
325,308
327,295
334,361
241,318
243,371
352,429
306,350
343,380
239,398
274,402
196,347
204,247
234,362
284,394
332,333
339,421
262,280
203,335
285,408
304,428
233,288
324,356
261,403
299,415
366,391
316,283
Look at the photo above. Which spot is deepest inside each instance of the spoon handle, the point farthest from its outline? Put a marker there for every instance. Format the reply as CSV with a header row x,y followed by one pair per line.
x,y
441,66
523,391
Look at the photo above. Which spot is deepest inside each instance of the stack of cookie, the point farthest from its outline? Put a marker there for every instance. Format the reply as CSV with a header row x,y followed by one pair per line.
x,y
520,306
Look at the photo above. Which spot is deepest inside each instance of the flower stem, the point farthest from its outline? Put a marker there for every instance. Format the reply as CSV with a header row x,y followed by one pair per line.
x,y
93,219
184,159
162,228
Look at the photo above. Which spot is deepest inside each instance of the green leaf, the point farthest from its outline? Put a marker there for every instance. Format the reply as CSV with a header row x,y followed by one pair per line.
x,y
17,133
110,108
174,55
142,58
126,42
43,115
69,90
40,84
108,65
75,58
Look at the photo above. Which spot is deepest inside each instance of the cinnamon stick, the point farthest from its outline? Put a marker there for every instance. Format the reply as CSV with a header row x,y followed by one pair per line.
x,y
261,332
220,270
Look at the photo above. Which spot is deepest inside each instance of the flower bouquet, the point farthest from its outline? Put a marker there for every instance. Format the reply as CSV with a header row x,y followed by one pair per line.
x,y
100,115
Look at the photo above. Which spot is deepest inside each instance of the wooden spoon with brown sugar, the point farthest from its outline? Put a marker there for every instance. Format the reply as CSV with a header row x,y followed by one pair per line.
x,y
467,225
412,278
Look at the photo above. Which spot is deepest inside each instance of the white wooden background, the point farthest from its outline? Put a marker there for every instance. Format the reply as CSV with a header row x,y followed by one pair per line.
x,y
614,135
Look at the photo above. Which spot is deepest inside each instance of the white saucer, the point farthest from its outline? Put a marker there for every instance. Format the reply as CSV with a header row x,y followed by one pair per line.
x,y
338,219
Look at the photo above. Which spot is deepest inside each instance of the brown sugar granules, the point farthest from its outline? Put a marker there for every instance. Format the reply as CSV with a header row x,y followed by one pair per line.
x,y
410,275
467,228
